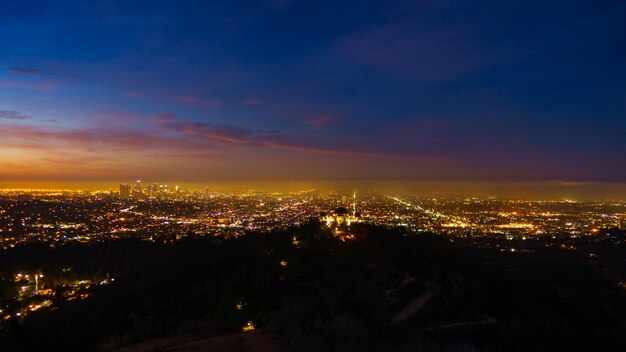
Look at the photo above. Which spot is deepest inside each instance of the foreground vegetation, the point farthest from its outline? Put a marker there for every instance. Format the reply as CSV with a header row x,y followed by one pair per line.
x,y
384,291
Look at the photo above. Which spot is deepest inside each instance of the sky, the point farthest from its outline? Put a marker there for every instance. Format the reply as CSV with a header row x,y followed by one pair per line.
x,y
244,90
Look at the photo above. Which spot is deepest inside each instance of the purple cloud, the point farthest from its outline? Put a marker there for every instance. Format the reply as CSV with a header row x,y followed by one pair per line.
x,y
13,115
254,138
219,133
196,100
42,85
320,122
95,139
164,118
24,70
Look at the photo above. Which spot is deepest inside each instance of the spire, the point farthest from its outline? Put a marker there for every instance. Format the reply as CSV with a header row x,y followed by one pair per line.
x,y
354,205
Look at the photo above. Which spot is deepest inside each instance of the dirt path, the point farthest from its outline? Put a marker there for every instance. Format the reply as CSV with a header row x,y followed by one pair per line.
x,y
413,307
487,320
254,341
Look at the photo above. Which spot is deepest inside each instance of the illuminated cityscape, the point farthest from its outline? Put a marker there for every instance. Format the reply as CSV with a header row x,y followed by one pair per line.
x,y
56,216
313,176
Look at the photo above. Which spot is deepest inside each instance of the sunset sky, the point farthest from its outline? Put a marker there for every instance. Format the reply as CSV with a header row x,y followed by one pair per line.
x,y
193,91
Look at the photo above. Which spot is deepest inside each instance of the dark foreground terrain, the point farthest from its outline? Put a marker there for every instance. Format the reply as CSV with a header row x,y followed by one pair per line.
x,y
304,290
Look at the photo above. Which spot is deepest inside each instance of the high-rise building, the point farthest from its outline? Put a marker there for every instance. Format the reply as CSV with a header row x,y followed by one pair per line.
x,y
137,189
152,190
155,189
124,190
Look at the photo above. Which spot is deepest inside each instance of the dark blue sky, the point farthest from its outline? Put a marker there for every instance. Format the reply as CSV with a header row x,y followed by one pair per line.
x,y
481,90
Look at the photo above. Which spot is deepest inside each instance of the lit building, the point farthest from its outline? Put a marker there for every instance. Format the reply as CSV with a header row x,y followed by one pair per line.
x,y
137,189
124,190
153,189
342,217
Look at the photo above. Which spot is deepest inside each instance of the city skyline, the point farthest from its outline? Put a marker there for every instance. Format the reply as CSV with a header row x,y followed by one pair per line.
x,y
533,190
283,90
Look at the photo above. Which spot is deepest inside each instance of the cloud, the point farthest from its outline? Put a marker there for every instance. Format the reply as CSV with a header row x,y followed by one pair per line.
x,y
41,85
16,115
13,115
256,138
162,118
196,100
320,121
96,140
112,116
219,133
563,183
175,139
94,150
24,70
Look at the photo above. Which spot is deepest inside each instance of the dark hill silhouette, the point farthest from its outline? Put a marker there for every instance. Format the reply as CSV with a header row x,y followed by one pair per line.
x,y
326,296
